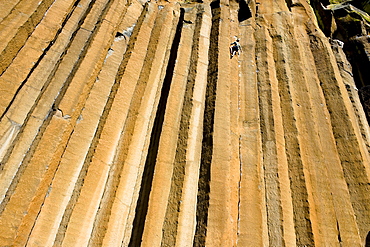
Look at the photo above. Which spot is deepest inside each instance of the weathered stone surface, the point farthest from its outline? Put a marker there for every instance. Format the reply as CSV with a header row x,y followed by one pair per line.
x,y
126,123
351,27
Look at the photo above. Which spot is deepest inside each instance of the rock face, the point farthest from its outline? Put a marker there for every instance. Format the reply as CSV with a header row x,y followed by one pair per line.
x,y
126,123
349,22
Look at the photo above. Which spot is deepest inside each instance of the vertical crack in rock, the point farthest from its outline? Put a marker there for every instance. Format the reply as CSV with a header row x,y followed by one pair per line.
x,y
240,182
358,102
289,4
271,174
348,22
295,192
146,184
303,225
54,109
361,121
171,219
51,75
357,50
24,32
208,128
51,170
63,225
244,12
42,202
102,217
266,88
80,181
354,161
364,94
43,55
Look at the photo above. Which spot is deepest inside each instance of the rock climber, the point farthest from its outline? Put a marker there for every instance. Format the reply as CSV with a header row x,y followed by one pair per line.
x,y
235,48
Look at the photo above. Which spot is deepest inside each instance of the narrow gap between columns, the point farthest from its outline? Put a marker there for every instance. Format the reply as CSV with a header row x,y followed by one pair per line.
x,y
146,184
208,128
171,222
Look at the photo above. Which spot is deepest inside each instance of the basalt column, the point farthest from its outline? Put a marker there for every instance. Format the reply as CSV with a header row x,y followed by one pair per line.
x,y
128,123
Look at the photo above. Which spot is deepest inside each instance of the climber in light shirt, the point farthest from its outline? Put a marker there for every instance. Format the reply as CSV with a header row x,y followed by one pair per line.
x,y
235,48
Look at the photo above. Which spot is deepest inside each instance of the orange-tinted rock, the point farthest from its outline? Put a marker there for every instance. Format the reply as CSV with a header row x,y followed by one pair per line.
x,y
128,123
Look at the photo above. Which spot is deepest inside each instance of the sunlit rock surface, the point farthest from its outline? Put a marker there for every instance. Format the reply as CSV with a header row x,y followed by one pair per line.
x,y
126,123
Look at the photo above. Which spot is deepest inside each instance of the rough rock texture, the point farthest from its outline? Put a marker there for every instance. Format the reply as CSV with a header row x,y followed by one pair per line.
x,y
126,123
348,22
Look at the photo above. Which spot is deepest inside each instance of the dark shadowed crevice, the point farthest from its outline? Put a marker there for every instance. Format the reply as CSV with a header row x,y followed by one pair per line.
x,y
146,184
353,163
323,16
47,120
289,4
208,125
364,94
300,194
357,54
367,240
171,222
24,32
84,170
244,12
344,23
51,43
101,219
